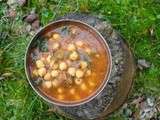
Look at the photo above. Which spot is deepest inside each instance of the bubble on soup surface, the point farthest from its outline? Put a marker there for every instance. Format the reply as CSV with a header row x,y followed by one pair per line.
x,y
47,84
42,71
39,64
72,91
91,83
83,86
60,97
60,90
78,81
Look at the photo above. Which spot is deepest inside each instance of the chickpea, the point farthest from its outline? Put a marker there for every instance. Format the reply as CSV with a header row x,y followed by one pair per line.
x,y
56,36
71,47
88,73
79,43
35,72
62,66
68,62
39,64
74,55
55,66
54,73
79,73
42,71
88,50
60,90
83,64
51,64
83,86
78,81
72,91
47,84
49,58
72,71
56,46
47,76
55,83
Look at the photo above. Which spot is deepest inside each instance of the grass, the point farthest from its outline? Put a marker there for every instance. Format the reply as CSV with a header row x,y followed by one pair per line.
x,y
132,18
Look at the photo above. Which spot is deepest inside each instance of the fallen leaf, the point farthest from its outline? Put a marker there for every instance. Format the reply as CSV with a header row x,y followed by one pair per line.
x,y
143,64
11,13
31,18
36,24
21,2
7,74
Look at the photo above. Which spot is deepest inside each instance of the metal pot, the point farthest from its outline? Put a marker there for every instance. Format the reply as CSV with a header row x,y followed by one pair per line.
x,y
50,27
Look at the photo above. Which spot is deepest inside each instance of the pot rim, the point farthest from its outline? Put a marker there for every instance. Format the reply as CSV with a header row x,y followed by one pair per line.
x,y
91,96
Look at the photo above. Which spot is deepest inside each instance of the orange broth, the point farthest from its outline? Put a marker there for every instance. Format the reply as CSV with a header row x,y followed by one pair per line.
x,y
97,64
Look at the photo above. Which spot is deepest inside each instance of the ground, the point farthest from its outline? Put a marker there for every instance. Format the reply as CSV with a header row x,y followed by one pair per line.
x,y
137,20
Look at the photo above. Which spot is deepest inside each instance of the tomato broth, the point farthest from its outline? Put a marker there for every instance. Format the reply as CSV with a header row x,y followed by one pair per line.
x,y
68,63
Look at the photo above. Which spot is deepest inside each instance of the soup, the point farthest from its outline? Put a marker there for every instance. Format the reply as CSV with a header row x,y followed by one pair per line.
x,y
68,63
